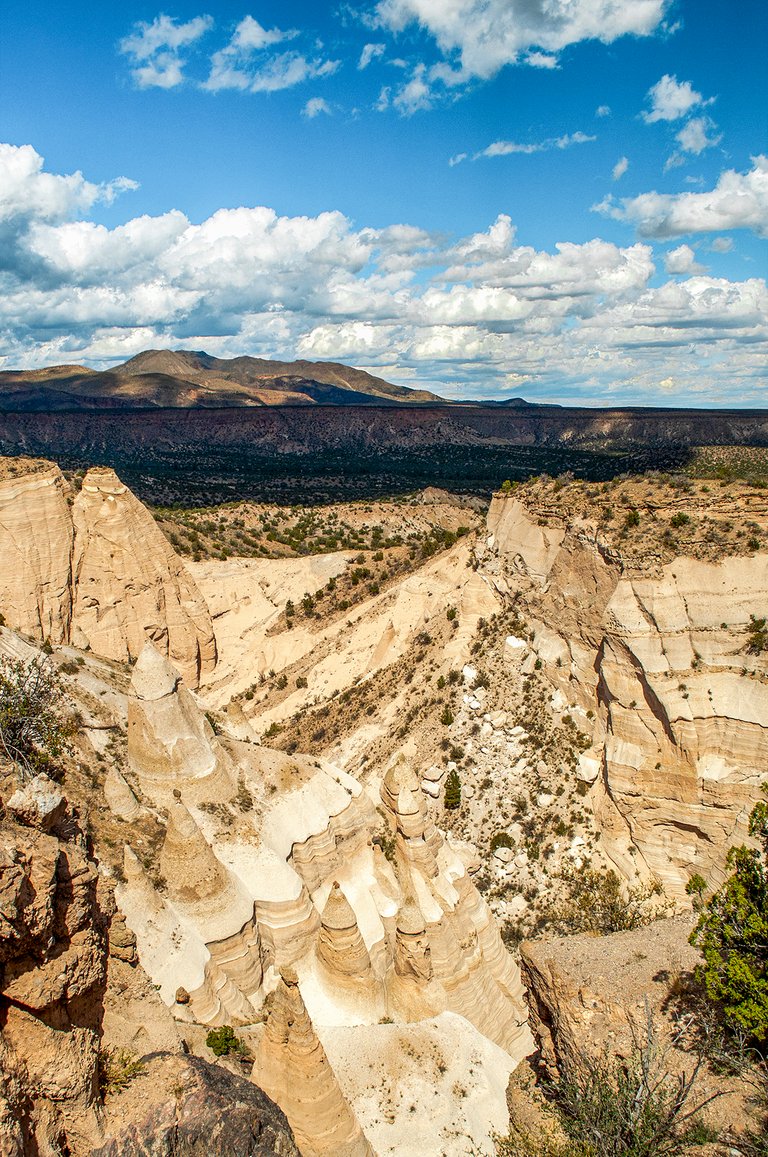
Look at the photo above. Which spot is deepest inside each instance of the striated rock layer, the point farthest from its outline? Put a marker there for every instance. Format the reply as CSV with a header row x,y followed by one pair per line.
x,y
294,890
129,586
292,1068
95,571
36,540
680,737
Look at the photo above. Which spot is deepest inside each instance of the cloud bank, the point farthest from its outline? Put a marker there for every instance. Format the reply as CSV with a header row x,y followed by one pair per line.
x,y
483,315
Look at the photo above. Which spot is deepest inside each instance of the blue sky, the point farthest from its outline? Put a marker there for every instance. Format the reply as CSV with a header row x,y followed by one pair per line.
x,y
561,199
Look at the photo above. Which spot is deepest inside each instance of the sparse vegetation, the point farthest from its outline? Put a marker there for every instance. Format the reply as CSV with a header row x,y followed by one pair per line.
x,y
757,635
599,902
34,727
116,1069
222,1041
732,934
607,1105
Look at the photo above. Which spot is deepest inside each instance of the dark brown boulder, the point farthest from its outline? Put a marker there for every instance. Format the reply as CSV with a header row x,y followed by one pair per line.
x,y
184,1106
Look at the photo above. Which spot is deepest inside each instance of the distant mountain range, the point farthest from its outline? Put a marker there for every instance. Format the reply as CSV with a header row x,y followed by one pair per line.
x,y
187,379
194,380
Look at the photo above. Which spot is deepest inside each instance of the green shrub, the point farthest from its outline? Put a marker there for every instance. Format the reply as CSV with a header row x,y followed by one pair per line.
x,y
732,934
447,717
501,840
757,636
116,1068
679,519
222,1041
34,730
599,902
612,1106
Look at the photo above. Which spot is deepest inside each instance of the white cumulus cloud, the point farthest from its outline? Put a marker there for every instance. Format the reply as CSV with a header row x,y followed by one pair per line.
x,y
697,135
485,35
26,191
738,201
581,322
156,49
682,260
671,99
620,168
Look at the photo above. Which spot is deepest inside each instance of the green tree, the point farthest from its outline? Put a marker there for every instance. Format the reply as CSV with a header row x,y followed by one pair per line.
x,y
34,729
732,935
452,790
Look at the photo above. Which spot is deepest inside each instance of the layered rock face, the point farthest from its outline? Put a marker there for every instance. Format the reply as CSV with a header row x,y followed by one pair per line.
x,y
293,1069
130,586
680,743
290,900
97,573
171,743
36,540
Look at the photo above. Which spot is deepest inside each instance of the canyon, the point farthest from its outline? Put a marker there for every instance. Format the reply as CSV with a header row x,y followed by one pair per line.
x,y
256,829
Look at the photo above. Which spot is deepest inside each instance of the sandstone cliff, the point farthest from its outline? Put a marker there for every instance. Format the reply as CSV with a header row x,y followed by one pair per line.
x,y
649,649
53,958
94,570
36,539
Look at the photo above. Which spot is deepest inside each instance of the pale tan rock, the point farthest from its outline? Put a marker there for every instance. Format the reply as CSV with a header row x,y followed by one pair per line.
x,y
36,537
120,797
171,745
679,743
292,1068
340,946
129,585
39,803
529,548
197,881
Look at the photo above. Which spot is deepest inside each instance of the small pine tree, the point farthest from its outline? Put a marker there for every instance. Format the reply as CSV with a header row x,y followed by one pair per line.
x,y
452,790
732,934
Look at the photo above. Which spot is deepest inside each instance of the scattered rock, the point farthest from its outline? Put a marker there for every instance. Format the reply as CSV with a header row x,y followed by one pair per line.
x,y
39,804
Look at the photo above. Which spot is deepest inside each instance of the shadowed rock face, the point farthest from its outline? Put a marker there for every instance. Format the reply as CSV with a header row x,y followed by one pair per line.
x,y
52,980
182,1106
